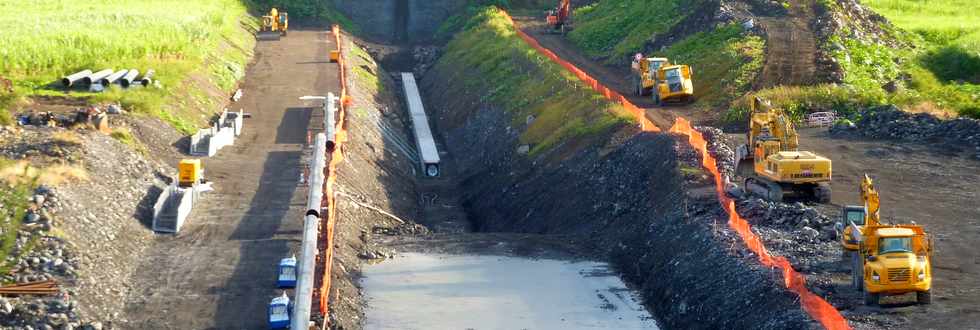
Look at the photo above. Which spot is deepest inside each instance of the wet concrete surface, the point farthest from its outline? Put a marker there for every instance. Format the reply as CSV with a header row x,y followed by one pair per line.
x,y
443,291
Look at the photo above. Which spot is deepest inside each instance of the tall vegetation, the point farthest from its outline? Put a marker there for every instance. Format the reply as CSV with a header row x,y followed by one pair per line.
x,y
42,40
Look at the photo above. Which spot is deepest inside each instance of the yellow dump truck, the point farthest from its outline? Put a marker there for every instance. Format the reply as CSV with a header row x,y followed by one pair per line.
x,y
645,74
674,85
895,260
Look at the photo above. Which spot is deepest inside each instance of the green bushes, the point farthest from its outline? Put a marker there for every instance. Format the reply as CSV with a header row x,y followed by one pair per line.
x,y
511,74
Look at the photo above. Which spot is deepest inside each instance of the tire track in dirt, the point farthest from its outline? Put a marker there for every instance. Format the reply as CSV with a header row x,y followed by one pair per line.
x,y
791,48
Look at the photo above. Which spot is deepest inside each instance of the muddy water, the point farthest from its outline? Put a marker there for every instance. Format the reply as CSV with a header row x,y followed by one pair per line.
x,y
436,291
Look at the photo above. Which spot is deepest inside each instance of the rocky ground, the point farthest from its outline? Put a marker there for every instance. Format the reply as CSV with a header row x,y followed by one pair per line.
x,y
83,233
960,135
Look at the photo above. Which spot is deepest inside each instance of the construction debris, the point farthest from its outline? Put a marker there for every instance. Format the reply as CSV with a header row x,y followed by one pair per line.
x,y
46,287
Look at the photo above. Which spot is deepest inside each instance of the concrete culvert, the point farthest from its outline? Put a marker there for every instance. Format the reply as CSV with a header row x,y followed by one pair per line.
x,y
112,78
68,81
96,76
147,77
128,78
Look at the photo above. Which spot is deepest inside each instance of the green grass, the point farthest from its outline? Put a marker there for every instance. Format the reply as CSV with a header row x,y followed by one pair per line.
x,y
124,136
13,205
44,40
616,29
489,57
725,62
941,73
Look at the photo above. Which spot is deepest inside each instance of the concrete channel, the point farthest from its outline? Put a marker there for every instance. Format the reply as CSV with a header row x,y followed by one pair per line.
x,y
439,291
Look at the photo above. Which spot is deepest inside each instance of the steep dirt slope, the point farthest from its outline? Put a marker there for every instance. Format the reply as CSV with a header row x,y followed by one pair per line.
x,y
219,272
791,47
617,78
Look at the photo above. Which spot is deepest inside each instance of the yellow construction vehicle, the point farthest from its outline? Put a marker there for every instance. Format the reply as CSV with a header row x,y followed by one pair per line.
x,y
674,85
893,260
771,162
645,73
274,25
859,216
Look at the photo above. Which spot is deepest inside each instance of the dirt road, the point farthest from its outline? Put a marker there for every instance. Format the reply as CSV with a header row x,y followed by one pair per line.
x,y
219,272
918,182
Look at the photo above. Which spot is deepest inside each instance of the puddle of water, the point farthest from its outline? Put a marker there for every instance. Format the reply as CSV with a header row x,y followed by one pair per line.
x,y
433,291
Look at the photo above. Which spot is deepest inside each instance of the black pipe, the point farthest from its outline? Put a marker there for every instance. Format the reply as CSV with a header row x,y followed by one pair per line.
x,y
70,80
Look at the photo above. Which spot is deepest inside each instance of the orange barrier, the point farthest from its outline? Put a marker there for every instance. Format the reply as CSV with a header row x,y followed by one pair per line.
x,y
818,308
645,124
327,225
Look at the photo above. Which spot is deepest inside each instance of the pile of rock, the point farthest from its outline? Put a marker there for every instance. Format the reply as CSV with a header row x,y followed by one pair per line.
x,y
719,147
804,220
58,312
891,122
425,57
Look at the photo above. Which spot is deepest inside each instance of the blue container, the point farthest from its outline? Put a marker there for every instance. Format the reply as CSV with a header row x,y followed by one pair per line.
x,y
279,311
287,273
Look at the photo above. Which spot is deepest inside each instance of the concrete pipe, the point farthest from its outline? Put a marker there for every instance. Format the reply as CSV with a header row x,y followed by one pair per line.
x,y
129,77
70,80
147,78
96,76
112,78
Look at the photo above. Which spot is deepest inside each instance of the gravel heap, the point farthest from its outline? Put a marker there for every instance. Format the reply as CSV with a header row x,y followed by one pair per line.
x,y
806,222
890,122
720,148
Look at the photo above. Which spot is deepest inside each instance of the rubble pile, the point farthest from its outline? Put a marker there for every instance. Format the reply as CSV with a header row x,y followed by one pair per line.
x,y
890,122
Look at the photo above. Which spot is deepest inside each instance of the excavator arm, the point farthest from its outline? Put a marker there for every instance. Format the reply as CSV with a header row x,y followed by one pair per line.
x,y
871,202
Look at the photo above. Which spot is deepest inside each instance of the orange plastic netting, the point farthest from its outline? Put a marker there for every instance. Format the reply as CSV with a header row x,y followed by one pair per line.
x,y
818,308
327,225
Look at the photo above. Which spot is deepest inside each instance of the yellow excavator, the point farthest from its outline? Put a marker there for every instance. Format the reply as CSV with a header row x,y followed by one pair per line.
x,y
859,216
891,259
772,164
274,25
674,85
645,71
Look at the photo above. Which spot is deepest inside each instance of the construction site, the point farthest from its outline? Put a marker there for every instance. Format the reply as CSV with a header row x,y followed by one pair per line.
x,y
455,164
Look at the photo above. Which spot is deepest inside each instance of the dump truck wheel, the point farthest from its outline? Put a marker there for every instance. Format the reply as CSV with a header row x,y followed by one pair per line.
x,y
871,299
923,297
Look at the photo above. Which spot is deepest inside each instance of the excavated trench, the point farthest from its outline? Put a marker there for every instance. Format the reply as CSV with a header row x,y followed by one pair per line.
x,y
621,202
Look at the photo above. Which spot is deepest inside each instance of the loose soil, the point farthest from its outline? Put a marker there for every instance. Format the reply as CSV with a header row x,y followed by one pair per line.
x,y
219,271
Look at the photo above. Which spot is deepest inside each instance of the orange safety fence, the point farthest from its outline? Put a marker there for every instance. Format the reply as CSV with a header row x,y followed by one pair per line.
x,y
645,124
335,159
818,308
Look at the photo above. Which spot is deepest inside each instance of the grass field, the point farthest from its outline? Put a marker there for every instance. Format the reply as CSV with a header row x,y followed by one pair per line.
x,y
488,56
42,40
615,29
